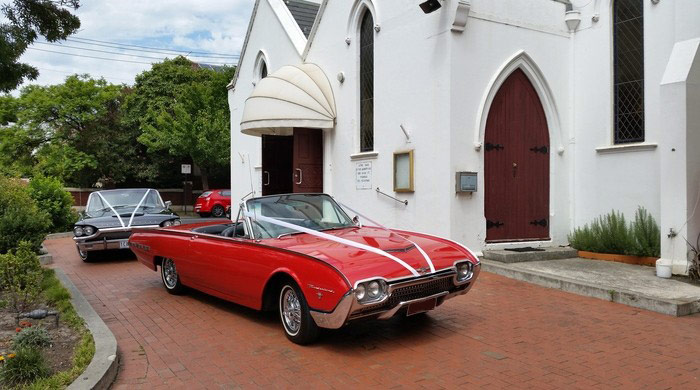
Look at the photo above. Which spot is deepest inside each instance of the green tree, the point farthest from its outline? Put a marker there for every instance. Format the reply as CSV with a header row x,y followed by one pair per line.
x,y
192,121
75,132
8,109
25,21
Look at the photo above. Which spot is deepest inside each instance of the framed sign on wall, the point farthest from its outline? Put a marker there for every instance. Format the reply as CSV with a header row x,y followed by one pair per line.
x,y
403,171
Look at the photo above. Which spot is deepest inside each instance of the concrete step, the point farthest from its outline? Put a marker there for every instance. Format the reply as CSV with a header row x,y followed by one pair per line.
x,y
549,253
630,285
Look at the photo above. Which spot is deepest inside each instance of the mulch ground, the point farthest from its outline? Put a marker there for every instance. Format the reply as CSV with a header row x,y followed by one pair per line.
x,y
64,339
503,334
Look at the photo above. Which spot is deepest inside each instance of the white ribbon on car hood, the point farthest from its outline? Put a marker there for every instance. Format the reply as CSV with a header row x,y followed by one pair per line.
x,y
422,252
330,237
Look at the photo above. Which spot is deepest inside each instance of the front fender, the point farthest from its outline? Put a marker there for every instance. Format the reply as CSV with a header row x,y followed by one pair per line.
x,y
322,285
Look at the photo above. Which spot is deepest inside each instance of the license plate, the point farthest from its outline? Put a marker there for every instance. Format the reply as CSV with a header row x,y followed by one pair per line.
x,y
124,244
422,306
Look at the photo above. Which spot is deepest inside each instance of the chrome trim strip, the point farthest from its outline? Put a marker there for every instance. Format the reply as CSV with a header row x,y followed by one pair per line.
x,y
337,317
390,313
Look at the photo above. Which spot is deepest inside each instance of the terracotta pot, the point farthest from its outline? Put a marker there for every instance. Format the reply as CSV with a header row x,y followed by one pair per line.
x,y
637,260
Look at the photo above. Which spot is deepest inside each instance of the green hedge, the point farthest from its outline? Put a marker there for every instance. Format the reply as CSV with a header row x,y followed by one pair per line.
x,y
20,217
610,233
49,195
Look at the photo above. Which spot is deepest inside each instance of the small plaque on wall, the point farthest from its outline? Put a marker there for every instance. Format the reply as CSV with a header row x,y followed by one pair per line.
x,y
363,175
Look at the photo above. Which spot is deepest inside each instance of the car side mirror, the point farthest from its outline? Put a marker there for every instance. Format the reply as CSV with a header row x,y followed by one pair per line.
x,y
168,204
356,220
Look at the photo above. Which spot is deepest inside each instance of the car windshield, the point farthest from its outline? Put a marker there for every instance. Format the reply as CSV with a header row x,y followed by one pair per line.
x,y
123,199
313,211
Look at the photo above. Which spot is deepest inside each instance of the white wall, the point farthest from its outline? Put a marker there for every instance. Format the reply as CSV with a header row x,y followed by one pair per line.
x,y
435,82
498,34
266,35
625,178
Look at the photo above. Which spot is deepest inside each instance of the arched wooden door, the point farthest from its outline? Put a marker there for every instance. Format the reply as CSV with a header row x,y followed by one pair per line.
x,y
516,164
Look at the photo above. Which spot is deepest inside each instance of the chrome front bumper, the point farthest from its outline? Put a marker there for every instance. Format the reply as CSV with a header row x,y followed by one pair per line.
x,y
100,240
349,309
102,244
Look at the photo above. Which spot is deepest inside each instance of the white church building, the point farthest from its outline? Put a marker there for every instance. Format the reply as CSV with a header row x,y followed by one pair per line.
x,y
495,123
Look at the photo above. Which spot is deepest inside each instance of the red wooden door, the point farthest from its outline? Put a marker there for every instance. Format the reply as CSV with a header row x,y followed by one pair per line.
x,y
276,164
516,164
308,160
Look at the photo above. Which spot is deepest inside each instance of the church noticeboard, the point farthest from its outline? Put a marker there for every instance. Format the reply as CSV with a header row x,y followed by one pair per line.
x,y
363,175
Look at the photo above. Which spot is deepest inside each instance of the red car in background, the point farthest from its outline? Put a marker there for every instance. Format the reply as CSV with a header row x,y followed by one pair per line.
x,y
213,202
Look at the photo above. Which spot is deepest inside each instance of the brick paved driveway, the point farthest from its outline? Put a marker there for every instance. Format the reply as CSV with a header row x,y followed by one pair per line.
x,y
504,333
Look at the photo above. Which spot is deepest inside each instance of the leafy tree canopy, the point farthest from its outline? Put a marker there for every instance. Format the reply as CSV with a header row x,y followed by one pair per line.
x,y
26,20
71,131
182,110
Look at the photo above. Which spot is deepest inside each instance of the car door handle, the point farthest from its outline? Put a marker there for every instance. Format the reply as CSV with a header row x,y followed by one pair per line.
x,y
267,183
301,176
193,237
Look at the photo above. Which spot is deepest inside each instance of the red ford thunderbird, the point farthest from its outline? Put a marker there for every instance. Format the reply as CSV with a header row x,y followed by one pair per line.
x,y
301,254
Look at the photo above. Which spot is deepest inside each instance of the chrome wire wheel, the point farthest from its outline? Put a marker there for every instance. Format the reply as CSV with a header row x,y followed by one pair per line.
x,y
290,308
169,273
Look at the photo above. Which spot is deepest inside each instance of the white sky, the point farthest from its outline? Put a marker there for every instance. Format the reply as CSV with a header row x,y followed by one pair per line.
x,y
194,25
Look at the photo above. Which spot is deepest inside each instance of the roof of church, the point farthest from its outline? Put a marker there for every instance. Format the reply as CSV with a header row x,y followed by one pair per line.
x,y
304,12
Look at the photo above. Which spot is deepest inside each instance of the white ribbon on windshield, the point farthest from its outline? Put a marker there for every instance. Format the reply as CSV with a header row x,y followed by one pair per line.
x,y
422,252
331,238
137,207
112,208
377,224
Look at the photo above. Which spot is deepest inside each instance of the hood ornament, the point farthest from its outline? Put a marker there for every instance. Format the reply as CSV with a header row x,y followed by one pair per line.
x,y
423,270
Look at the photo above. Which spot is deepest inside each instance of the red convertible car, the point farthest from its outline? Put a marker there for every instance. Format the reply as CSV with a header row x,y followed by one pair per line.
x,y
301,254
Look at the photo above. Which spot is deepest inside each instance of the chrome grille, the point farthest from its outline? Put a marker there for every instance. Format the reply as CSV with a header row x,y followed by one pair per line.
x,y
403,294
111,236
407,293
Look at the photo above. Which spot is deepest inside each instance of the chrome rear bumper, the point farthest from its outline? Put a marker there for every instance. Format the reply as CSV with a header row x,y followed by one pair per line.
x,y
349,309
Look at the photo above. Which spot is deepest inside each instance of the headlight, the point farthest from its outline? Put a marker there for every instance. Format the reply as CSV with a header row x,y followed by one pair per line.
x,y
464,271
374,289
371,291
360,292
88,230
78,231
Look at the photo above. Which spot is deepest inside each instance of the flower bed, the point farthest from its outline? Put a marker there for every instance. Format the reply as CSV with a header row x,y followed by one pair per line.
x,y
37,354
611,238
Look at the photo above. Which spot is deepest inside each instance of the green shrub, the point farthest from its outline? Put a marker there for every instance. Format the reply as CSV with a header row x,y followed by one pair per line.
x,y
613,233
27,365
21,277
647,234
20,218
34,337
610,233
583,239
49,195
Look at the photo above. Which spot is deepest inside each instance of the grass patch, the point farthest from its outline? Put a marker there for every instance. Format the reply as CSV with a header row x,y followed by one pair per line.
x,y
82,357
58,296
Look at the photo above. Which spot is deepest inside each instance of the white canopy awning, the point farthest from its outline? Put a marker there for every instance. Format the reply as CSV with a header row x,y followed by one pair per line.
x,y
293,96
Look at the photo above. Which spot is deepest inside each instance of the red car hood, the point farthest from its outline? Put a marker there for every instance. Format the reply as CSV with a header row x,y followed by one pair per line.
x,y
357,264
